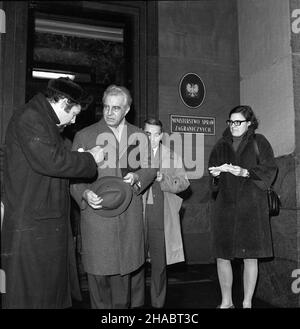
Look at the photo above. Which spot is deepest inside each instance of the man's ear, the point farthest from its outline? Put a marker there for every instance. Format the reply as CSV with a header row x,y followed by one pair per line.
x,y
62,102
161,136
127,110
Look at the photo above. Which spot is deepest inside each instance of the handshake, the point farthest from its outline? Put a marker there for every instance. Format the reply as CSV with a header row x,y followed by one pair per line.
x,y
234,170
96,152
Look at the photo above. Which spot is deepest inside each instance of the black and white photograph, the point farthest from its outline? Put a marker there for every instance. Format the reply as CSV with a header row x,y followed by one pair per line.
x,y
149,160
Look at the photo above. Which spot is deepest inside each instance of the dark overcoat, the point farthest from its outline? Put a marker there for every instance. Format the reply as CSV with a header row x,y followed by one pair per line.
x,y
113,245
37,251
240,221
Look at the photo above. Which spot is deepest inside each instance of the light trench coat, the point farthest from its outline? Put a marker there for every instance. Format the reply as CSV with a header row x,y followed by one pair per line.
x,y
175,181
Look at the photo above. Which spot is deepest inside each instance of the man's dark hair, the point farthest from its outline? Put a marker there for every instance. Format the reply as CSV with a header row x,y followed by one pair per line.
x,y
153,121
54,97
65,88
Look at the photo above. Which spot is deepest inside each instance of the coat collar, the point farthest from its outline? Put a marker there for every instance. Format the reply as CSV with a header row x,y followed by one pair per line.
x,y
43,105
103,127
127,130
227,137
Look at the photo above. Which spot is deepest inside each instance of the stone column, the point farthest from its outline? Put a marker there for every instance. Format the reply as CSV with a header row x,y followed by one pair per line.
x,y
13,52
198,37
269,69
295,44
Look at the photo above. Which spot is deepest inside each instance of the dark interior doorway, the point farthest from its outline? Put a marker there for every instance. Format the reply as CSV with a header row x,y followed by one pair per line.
x,y
140,19
53,46
95,47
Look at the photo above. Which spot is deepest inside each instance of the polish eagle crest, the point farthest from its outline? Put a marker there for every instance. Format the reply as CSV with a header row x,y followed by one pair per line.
x,y
192,90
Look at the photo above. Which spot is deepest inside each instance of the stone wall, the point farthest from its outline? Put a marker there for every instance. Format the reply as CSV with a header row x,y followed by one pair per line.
x,y
275,275
1,96
269,82
199,37
295,43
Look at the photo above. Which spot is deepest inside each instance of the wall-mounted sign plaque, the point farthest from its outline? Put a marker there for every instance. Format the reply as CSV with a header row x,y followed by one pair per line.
x,y
191,90
192,125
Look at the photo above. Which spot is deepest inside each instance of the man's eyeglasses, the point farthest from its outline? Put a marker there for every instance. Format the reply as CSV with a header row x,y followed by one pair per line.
x,y
235,123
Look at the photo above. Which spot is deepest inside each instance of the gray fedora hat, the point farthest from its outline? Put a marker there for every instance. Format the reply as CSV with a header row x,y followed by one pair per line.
x,y
116,195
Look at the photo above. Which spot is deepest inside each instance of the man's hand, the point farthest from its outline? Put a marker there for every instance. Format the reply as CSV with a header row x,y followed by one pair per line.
x,y
92,199
131,178
97,153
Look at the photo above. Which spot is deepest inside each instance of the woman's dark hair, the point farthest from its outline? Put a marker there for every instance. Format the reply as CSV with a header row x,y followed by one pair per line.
x,y
247,112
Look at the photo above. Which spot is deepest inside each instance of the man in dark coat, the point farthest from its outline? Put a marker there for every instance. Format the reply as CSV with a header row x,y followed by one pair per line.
x,y
37,253
113,247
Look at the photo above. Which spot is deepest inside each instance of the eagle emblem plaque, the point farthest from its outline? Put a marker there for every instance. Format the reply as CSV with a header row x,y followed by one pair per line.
x,y
191,90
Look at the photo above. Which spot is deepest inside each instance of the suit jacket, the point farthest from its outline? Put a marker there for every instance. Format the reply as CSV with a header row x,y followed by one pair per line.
x,y
114,245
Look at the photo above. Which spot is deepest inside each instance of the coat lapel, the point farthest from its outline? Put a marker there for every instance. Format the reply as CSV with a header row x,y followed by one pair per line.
x,y
106,138
116,152
228,139
123,140
245,141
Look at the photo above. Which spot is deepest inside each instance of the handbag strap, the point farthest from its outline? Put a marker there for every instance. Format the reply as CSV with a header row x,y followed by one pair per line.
x,y
257,155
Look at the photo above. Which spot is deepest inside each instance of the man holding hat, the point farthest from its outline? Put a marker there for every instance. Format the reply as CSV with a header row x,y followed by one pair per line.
x,y
37,253
112,236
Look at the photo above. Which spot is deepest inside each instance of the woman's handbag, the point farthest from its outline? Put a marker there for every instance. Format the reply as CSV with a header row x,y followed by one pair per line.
x,y
273,197
274,202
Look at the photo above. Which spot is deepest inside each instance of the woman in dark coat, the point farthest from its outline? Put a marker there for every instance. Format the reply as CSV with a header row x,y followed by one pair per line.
x,y
240,222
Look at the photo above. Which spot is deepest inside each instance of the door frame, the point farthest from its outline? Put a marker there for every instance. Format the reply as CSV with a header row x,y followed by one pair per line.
x,y
143,54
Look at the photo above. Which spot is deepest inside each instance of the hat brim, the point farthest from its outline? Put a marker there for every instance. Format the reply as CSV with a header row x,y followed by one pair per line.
x,y
122,185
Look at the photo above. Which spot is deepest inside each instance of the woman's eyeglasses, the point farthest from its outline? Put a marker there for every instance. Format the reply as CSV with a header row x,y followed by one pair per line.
x,y
235,123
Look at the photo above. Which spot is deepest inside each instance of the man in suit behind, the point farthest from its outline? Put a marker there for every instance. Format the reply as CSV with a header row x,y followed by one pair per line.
x,y
113,247
162,223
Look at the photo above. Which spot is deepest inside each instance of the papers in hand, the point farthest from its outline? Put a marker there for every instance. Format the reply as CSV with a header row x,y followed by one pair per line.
x,y
223,168
215,171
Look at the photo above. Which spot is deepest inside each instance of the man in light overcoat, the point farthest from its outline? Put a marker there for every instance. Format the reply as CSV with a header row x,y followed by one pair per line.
x,y
113,247
162,223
